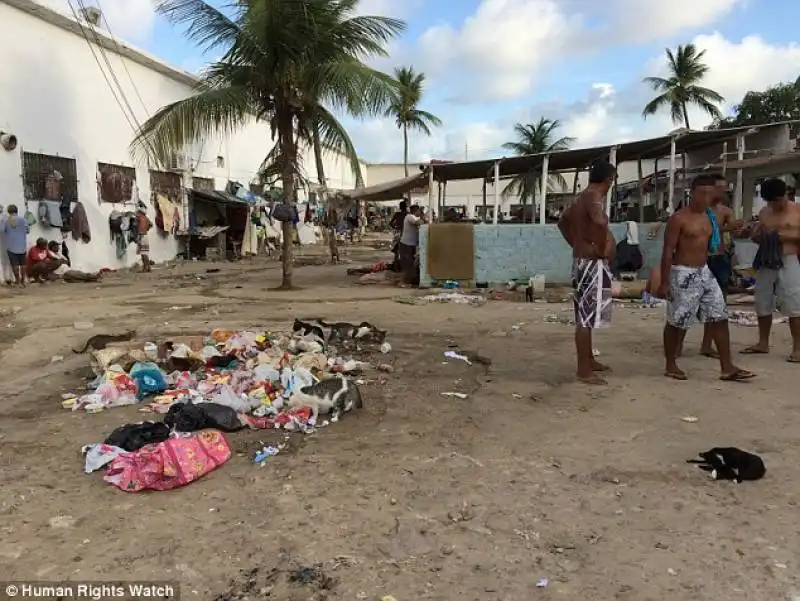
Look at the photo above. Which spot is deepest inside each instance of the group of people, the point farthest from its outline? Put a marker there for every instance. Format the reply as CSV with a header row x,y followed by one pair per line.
x,y
45,260
694,271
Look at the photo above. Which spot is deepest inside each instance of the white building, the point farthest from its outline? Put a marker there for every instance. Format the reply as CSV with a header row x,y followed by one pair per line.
x,y
469,193
65,84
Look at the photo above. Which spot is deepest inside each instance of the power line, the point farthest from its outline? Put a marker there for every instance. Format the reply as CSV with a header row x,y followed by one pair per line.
x,y
110,68
122,59
102,71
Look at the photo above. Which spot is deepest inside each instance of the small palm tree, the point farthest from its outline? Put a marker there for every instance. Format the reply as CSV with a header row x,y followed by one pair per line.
x,y
682,88
284,63
535,138
404,107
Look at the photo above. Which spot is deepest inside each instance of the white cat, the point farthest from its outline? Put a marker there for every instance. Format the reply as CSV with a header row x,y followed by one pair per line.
x,y
334,395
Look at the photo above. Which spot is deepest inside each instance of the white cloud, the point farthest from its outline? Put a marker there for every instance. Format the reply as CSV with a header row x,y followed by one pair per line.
x,y
606,114
645,20
389,8
503,47
127,19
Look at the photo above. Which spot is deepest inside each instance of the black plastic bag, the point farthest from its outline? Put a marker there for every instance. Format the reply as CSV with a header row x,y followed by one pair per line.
x,y
133,437
185,417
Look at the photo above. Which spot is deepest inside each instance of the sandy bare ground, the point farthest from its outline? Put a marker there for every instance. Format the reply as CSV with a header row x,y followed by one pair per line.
x,y
420,496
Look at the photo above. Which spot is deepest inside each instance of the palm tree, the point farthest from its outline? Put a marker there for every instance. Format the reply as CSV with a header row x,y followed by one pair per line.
x,y
535,138
404,107
284,63
682,88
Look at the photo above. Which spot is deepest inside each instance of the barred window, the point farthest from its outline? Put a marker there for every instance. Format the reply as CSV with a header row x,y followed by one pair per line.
x,y
115,182
167,184
49,177
206,184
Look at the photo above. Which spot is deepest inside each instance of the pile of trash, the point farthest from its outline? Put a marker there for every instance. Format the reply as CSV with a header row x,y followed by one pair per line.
x,y
205,387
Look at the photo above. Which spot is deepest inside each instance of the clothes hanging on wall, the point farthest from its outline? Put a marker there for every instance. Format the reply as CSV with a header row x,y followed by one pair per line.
x,y
50,213
80,224
65,253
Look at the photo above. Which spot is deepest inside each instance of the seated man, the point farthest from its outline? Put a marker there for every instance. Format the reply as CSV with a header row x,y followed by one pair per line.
x,y
64,271
41,265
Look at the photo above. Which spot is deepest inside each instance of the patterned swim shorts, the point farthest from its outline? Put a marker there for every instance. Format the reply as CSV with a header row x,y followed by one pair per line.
x,y
695,295
591,294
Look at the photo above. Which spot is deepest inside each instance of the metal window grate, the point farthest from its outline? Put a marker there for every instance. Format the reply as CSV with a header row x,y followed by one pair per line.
x,y
206,184
166,183
49,177
115,183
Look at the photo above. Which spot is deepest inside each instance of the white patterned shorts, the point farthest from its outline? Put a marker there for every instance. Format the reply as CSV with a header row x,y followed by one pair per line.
x,y
591,293
695,295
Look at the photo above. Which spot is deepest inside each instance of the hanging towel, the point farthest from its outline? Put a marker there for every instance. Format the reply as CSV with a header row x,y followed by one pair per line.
x,y
167,212
121,244
716,239
80,224
769,253
633,233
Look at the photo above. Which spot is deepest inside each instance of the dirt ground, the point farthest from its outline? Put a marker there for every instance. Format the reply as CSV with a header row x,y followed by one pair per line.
x,y
419,495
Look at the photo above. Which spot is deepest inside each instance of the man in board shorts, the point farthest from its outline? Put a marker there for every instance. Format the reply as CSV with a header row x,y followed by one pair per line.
x,y
584,225
688,284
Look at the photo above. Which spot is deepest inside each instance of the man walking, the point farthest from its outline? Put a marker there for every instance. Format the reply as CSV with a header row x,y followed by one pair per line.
x,y
778,274
688,284
584,225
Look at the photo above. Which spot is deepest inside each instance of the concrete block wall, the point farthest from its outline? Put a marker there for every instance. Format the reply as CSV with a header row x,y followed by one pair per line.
x,y
510,252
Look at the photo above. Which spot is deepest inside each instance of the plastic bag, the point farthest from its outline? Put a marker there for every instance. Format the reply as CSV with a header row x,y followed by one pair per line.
x,y
133,437
227,397
149,379
186,417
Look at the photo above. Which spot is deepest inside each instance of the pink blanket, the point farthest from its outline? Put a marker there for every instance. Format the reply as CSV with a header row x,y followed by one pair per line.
x,y
169,464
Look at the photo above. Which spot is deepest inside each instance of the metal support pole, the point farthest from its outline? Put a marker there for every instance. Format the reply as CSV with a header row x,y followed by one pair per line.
x,y
430,191
496,191
724,157
612,158
543,189
641,190
738,193
575,182
671,176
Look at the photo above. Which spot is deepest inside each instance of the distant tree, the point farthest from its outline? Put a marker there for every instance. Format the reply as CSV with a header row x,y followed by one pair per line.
x,y
535,138
682,88
780,102
404,107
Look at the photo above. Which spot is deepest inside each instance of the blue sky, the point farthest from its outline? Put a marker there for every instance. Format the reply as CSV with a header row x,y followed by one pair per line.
x,y
491,63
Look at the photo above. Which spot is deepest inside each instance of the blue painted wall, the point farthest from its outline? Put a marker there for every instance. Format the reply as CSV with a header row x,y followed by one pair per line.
x,y
510,252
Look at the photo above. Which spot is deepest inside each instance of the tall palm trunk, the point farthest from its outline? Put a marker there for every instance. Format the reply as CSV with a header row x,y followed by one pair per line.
x,y
405,148
289,152
329,227
685,116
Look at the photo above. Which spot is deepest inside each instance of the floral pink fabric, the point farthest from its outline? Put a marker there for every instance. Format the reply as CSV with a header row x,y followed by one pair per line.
x,y
169,464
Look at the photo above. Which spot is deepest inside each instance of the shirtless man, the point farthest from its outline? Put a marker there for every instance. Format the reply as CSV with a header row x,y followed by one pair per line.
x,y
778,215
720,262
584,225
688,284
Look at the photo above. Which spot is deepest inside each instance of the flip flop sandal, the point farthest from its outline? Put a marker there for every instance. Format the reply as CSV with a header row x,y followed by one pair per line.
x,y
676,376
741,375
751,350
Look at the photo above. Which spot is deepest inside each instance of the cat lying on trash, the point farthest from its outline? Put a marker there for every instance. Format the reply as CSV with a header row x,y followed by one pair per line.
x,y
333,396
340,331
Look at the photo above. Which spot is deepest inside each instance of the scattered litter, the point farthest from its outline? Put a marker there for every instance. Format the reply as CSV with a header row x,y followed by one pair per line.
x,y
56,358
542,583
205,388
459,395
458,298
386,348
62,521
83,325
750,319
455,355
265,453
388,598
689,419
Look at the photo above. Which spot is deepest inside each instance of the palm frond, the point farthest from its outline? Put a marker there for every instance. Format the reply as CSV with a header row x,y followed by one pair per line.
x,y
220,111
334,137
